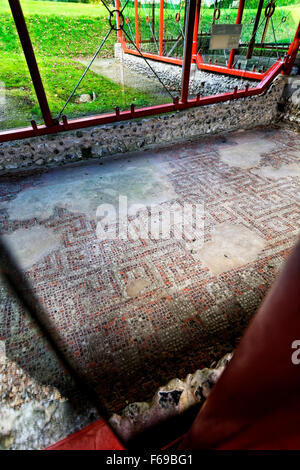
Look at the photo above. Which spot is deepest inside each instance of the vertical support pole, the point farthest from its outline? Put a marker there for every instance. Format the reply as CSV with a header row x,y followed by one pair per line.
x,y
269,10
292,52
196,28
161,27
119,32
265,30
136,20
153,18
238,21
188,45
31,60
256,23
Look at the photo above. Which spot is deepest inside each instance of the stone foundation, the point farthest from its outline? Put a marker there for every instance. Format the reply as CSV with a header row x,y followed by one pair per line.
x,y
170,400
110,139
291,101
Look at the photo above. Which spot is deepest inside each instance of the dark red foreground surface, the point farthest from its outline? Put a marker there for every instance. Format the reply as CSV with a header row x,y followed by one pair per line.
x,y
96,436
255,404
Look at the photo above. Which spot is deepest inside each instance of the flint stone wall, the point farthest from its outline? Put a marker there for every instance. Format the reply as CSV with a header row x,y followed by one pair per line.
x,y
291,101
110,139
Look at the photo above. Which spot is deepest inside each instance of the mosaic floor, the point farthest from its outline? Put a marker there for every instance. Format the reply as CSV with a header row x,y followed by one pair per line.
x,y
132,314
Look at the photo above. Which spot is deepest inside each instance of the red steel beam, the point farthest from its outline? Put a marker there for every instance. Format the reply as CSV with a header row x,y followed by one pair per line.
x,y
31,60
228,71
136,21
200,65
119,32
188,45
95,436
148,55
255,403
292,52
90,121
238,21
196,28
161,27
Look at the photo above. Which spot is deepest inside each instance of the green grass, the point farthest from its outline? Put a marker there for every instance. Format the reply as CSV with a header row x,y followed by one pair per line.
x,y
35,7
59,76
58,37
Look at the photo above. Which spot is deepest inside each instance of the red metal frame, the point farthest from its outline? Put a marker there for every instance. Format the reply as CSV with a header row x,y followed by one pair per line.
x,y
229,71
119,32
96,436
255,26
201,65
51,126
196,28
136,22
161,27
90,121
99,431
31,60
292,52
196,58
188,46
238,21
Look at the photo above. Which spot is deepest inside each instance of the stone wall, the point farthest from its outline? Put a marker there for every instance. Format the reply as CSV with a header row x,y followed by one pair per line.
x,y
110,139
170,400
291,101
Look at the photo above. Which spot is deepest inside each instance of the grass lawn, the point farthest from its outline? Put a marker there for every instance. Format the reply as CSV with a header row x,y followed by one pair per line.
x,y
59,77
62,31
35,7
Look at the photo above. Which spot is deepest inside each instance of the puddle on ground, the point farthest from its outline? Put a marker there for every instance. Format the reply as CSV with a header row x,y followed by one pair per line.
x,y
135,287
231,246
32,244
83,189
15,110
284,171
247,152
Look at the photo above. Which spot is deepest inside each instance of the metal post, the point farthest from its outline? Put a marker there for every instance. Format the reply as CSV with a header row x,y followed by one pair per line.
x,y
136,20
119,32
256,23
292,52
188,45
31,60
153,19
238,21
267,22
161,27
196,28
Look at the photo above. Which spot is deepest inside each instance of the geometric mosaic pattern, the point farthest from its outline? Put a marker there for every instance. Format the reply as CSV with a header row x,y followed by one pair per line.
x,y
185,316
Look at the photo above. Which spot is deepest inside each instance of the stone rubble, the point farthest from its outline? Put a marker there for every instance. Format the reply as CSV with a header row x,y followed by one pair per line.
x,y
34,416
205,83
170,400
290,102
292,113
